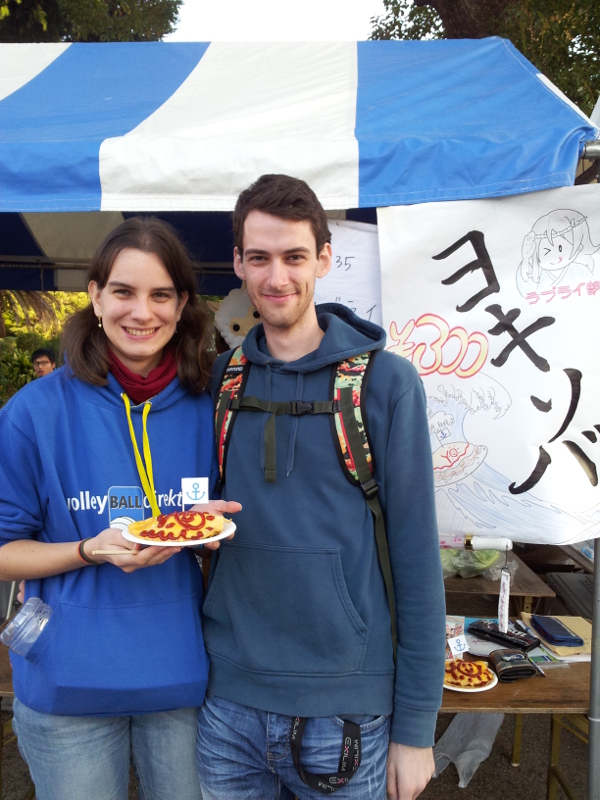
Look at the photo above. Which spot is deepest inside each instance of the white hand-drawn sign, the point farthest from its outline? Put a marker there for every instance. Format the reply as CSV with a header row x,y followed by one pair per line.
x,y
497,304
354,279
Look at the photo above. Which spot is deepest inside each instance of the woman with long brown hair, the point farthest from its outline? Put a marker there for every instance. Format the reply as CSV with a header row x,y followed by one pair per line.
x,y
120,668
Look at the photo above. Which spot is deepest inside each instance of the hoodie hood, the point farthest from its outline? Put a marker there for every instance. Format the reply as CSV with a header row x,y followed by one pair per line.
x,y
110,395
346,335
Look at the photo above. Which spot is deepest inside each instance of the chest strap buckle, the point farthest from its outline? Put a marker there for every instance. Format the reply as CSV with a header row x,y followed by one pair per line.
x,y
300,407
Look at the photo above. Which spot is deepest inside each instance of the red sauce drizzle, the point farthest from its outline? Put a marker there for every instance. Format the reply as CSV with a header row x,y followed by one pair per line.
x,y
189,521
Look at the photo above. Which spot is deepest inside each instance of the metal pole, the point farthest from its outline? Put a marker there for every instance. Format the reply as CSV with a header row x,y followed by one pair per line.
x,y
591,150
594,717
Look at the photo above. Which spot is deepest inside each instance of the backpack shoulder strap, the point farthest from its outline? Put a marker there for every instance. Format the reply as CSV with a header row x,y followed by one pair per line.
x,y
233,382
349,429
348,423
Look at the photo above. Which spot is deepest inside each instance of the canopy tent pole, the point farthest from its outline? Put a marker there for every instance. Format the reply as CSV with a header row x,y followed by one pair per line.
x,y
591,152
594,715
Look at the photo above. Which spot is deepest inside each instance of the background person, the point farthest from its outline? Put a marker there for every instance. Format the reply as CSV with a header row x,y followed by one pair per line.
x,y
297,623
44,361
120,668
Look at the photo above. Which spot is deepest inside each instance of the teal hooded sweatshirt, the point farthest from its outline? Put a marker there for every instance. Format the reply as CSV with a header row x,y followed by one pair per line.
x,y
296,619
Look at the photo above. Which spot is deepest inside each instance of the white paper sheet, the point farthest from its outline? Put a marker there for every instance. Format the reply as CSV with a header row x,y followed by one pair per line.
x,y
497,304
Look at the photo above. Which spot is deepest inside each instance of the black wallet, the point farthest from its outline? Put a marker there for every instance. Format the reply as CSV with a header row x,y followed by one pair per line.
x,y
510,665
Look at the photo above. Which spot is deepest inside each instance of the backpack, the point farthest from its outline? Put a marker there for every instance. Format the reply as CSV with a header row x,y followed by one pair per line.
x,y
348,427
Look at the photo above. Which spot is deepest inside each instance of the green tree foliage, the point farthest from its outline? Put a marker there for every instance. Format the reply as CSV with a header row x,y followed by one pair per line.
x,y
560,37
404,20
26,308
30,320
15,369
40,313
87,20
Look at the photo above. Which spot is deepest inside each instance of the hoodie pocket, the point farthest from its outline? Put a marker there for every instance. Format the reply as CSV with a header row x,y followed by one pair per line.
x,y
130,658
283,610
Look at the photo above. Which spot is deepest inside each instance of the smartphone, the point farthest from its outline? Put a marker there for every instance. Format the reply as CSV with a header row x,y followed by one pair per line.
x,y
555,632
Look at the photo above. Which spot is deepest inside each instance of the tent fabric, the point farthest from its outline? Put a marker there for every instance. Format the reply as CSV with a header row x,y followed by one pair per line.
x,y
51,251
160,126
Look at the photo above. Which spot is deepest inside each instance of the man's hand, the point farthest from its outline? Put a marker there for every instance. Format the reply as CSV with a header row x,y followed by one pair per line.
x,y
409,770
221,507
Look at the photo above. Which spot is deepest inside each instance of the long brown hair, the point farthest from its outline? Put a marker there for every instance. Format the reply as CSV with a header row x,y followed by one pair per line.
x,y
84,343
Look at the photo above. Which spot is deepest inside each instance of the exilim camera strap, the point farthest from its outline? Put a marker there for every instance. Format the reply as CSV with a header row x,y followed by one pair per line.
x,y
349,758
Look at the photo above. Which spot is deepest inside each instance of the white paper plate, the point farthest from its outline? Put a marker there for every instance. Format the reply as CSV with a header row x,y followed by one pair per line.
x,y
228,529
489,685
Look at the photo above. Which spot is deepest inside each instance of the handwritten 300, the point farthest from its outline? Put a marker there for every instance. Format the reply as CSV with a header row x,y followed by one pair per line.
x,y
429,357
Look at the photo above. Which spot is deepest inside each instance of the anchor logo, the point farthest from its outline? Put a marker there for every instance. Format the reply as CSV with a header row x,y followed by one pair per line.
x,y
194,490
196,495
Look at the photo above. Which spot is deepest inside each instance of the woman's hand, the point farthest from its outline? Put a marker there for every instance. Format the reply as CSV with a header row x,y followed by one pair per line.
x,y
220,507
134,556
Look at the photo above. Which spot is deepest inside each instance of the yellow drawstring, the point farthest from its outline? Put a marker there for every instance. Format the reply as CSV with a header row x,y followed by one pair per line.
x,y
145,472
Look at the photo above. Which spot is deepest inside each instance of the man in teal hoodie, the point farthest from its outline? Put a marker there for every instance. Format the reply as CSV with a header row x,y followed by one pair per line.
x,y
306,695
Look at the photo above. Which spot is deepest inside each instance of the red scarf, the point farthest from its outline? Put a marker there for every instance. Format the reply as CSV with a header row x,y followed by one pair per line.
x,y
139,388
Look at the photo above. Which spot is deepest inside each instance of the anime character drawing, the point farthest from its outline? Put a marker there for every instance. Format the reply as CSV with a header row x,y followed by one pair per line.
x,y
557,251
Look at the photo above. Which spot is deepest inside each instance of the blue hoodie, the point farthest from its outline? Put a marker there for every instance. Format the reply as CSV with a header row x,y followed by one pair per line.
x,y
296,620
116,643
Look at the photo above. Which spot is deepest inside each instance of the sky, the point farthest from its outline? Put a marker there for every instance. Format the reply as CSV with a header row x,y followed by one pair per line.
x,y
275,20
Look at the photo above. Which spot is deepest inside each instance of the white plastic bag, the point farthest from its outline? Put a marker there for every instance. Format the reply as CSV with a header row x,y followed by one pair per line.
x,y
466,742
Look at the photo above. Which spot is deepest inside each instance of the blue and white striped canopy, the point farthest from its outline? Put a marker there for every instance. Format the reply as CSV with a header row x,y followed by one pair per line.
x,y
185,127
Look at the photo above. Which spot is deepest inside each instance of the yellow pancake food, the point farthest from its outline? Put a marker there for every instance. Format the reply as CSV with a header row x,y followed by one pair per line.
x,y
179,526
467,674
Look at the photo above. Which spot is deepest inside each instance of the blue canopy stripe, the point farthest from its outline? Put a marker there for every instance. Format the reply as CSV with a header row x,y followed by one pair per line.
x,y
51,129
186,126
457,119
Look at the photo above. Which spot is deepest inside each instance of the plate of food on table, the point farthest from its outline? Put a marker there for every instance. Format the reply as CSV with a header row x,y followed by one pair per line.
x,y
468,676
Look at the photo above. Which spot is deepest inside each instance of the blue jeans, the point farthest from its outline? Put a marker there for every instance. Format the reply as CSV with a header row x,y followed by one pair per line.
x,y
79,758
244,754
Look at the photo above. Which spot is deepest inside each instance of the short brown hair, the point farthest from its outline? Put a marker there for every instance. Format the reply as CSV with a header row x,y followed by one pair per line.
x,y
280,196
84,343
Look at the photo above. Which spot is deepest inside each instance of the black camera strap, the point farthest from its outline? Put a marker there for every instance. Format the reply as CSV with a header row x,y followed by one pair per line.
x,y
349,758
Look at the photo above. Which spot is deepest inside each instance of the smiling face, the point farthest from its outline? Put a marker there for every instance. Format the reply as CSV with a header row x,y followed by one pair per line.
x,y
139,308
556,254
280,265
